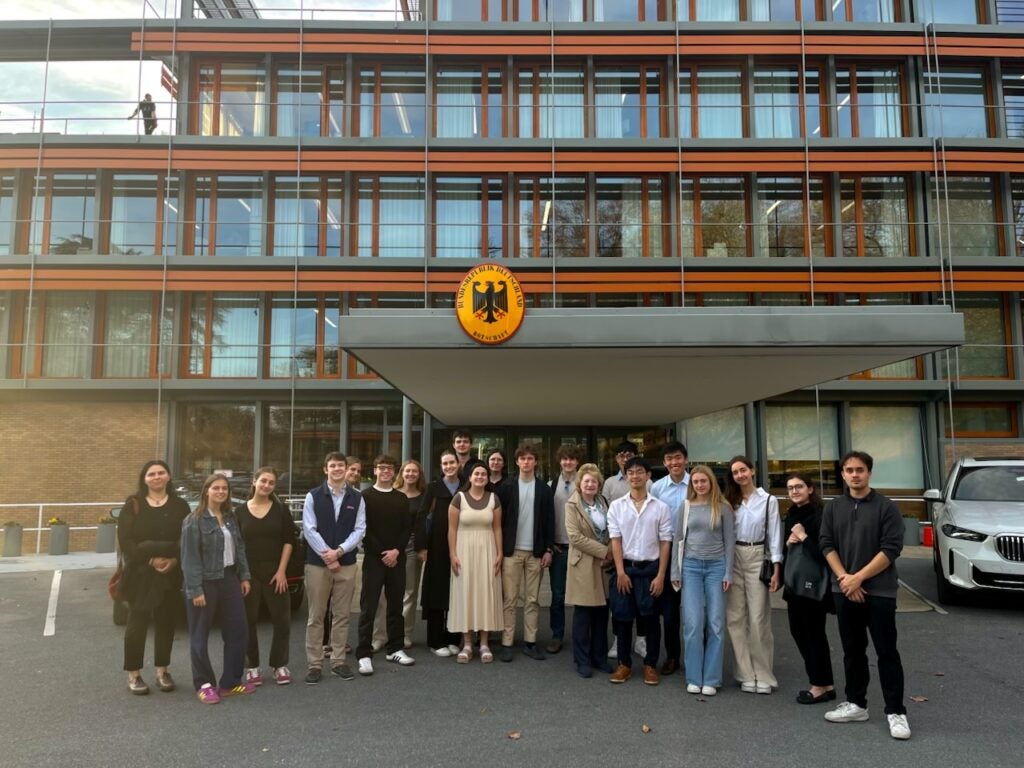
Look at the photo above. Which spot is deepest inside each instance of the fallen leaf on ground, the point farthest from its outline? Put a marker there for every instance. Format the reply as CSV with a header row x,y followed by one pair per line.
x,y
645,728
919,699
515,735
940,674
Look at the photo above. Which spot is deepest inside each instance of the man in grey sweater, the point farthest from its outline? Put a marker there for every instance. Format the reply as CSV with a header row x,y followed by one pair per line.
x,y
861,537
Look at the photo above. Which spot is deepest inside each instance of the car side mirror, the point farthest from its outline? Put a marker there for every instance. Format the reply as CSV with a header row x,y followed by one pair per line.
x,y
933,494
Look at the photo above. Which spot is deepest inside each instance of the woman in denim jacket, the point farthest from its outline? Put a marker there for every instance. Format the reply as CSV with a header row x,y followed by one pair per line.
x,y
216,580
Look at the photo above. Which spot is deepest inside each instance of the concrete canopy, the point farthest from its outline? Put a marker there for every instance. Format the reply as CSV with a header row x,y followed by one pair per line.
x,y
612,367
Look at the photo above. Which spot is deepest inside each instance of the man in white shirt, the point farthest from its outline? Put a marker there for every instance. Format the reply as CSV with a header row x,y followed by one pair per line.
x,y
672,489
640,527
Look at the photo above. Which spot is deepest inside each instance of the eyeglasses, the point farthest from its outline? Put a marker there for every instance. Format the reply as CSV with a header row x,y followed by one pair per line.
x,y
792,488
385,467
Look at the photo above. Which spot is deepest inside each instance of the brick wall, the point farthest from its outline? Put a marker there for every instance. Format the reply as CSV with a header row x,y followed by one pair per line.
x,y
72,452
974,448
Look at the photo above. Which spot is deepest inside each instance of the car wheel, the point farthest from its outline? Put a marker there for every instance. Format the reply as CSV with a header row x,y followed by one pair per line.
x,y
296,598
120,613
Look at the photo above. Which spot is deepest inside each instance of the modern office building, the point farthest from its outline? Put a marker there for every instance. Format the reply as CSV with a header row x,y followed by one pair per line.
x,y
762,226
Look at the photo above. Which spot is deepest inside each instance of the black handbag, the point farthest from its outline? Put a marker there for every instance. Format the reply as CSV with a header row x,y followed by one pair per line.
x,y
803,575
767,567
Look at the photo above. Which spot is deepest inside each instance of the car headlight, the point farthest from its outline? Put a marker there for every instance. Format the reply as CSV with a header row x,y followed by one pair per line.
x,y
953,532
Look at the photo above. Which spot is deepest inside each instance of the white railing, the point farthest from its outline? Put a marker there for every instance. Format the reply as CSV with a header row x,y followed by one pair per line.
x,y
40,508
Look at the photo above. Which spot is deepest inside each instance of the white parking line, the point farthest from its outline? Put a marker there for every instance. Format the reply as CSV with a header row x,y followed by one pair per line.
x,y
937,608
50,628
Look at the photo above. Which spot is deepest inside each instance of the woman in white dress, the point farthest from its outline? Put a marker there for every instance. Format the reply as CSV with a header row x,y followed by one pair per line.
x,y
474,540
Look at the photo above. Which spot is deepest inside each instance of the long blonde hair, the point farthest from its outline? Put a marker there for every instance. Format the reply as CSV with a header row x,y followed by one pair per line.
x,y
715,498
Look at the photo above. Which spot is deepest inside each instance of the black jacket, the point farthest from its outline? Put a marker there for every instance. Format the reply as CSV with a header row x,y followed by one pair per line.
x,y
543,515
809,516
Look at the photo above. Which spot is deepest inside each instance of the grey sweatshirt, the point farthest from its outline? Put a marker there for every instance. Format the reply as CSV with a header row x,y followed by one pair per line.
x,y
857,530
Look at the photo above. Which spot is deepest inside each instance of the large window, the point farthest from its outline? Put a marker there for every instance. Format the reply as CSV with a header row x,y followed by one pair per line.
x,y
892,434
966,228
550,103
870,101
63,214
628,10
865,10
223,335
1013,100
629,102
307,216
718,101
304,336
782,226
392,101
217,437
947,11
708,10
130,337
723,217
552,217
469,218
783,10
231,99
468,101
143,215
390,217
985,353
798,437
982,420
228,216
873,212
629,216
309,101
6,215
955,103
779,110
295,441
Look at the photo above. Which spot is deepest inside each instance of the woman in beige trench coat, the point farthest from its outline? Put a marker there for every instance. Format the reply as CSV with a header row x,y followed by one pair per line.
x,y
586,584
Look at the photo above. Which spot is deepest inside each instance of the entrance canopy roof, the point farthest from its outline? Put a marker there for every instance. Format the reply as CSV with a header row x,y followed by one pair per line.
x,y
612,367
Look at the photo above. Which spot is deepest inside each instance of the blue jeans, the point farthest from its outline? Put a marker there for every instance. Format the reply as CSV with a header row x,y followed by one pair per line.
x,y
703,620
559,567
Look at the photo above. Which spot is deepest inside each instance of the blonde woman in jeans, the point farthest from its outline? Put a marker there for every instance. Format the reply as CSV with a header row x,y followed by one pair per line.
x,y
748,613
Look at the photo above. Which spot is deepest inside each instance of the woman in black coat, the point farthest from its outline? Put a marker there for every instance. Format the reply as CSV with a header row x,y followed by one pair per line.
x,y
431,542
807,616
149,533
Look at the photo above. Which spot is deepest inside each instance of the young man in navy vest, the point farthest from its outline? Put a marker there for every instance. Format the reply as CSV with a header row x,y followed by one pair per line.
x,y
333,522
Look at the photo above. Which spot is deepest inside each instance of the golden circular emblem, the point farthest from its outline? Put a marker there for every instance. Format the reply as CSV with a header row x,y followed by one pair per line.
x,y
489,304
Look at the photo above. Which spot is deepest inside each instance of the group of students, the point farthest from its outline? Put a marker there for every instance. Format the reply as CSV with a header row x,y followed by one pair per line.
x,y
680,555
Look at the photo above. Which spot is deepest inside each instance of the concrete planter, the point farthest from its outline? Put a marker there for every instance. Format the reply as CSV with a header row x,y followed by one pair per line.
x,y
60,536
12,540
106,537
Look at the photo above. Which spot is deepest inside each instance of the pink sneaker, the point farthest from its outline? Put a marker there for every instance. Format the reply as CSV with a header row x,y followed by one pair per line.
x,y
242,689
282,676
254,676
208,695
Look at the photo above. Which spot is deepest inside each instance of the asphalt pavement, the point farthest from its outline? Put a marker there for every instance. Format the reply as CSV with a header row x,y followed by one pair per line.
x,y
64,700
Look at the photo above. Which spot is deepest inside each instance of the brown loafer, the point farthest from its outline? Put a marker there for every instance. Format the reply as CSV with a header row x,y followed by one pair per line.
x,y
670,667
555,645
621,674
651,675
165,682
138,686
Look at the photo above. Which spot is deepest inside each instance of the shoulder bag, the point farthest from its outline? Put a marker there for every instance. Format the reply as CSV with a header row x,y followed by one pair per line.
x,y
767,568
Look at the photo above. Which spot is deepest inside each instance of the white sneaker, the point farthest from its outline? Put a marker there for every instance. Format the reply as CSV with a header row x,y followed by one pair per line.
x,y
899,728
748,687
708,690
848,712
453,649
692,688
365,666
613,651
253,676
444,652
401,657
640,646
763,688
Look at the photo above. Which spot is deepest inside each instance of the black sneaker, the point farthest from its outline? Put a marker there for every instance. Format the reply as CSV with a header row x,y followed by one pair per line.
x,y
313,676
343,671
506,653
534,651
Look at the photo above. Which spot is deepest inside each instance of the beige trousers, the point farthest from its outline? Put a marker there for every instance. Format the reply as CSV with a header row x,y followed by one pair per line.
x,y
748,617
522,564
322,586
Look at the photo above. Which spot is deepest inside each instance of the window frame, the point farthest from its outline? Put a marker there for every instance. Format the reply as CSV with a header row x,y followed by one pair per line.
x,y
321,299
195,119
326,69
642,70
855,106
482,69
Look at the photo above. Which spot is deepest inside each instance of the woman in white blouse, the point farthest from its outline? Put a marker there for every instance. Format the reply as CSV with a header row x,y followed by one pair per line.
x,y
748,614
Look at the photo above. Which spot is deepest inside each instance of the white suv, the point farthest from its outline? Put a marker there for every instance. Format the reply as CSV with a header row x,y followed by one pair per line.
x,y
978,522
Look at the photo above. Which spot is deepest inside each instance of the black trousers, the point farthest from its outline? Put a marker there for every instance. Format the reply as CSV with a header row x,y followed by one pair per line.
x,y
590,636
670,605
438,635
650,627
875,616
377,576
278,606
164,617
807,626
